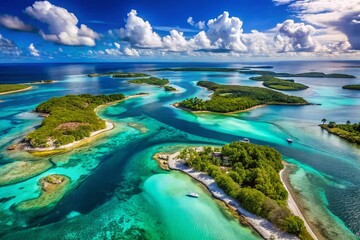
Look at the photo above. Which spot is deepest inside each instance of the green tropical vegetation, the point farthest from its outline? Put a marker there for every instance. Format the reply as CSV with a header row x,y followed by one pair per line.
x,y
348,131
307,74
231,98
352,87
43,81
12,87
279,84
169,89
151,81
250,174
118,74
70,118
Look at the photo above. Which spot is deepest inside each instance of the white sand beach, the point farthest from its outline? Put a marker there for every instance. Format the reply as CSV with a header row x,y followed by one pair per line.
x,y
265,228
108,127
294,207
15,91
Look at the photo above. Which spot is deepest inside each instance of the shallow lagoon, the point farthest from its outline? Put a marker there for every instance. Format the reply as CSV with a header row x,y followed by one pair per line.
x,y
118,184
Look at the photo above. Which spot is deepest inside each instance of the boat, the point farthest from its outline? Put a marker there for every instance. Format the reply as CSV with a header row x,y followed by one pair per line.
x,y
289,140
245,140
192,194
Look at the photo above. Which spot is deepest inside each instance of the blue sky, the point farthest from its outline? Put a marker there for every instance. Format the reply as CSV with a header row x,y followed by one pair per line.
x,y
204,30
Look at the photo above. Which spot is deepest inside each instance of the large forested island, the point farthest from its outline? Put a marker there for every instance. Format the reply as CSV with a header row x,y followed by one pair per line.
x,y
279,84
12,88
348,131
250,174
70,118
231,98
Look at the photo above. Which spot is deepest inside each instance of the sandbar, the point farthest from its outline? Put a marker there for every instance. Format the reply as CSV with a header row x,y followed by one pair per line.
x,y
22,170
15,91
292,204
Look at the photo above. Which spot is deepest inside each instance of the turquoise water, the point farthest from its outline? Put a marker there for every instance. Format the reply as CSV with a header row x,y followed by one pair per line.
x,y
119,192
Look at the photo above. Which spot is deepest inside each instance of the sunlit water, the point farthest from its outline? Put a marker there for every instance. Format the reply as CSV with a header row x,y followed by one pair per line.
x,y
119,192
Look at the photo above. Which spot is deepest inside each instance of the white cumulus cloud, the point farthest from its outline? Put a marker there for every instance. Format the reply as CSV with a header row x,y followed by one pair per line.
x,y
15,23
33,51
333,16
112,52
225,33
175,41
296,37
62,25
117,45
131,52
259,43
199,25
139,32
200,41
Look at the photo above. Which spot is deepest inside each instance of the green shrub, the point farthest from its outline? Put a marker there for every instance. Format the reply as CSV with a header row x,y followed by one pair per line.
x,y
293,224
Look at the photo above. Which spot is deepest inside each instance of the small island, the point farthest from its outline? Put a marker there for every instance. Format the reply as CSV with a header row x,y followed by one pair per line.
x,y
249,174
348,131
118,75
13,88
151,81
68,119
53,188
352,87
233,98
161,82
170,89
305,75
279,84
43,81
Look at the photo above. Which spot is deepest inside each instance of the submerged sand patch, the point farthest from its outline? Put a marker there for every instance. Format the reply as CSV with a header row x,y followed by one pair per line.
x,y
22,170
139,127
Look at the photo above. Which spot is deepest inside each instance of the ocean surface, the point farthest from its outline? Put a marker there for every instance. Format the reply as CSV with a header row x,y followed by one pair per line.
x,y
119,192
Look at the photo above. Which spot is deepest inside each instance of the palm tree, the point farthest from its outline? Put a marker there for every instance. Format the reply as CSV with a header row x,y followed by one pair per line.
x,y
332,124
348,122
323,120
